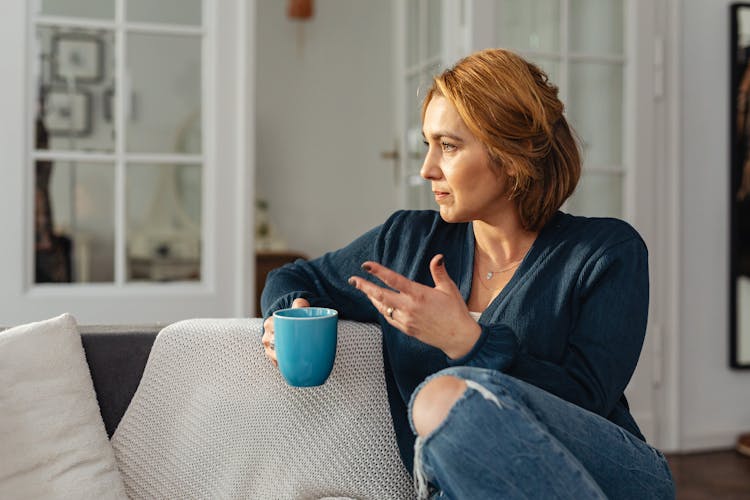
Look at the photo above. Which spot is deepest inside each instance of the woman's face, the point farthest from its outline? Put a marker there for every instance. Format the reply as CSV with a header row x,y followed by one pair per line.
x,y
465,184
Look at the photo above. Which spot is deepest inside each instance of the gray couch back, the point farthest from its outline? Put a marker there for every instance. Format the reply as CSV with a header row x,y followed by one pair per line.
x,y
116,356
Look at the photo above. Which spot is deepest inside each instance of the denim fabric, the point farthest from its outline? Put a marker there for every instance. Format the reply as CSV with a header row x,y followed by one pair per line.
x,y
571,320
508,439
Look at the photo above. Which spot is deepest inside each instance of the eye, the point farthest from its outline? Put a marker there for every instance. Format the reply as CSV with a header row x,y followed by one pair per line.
x,y
447,147
426,144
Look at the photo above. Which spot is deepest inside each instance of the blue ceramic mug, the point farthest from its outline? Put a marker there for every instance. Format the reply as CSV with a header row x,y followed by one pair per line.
x,y
305,340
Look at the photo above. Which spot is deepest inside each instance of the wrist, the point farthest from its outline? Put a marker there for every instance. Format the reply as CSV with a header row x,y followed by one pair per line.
x,y
464,341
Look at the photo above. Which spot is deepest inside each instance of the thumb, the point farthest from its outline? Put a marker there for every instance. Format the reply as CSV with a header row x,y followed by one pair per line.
x,y
440,275
300,303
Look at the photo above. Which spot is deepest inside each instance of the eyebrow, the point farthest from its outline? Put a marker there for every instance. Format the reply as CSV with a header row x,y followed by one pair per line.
x,y
440,134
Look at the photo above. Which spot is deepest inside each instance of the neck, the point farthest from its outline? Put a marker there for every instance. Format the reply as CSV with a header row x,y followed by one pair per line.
x,y
503,241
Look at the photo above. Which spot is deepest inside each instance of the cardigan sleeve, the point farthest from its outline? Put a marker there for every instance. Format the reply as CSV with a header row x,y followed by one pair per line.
x,y
605,340
324,281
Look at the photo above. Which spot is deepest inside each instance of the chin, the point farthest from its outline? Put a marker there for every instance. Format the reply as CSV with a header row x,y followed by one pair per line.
x,y
452,216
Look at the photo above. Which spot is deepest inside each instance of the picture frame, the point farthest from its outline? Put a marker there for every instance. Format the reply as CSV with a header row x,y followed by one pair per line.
x,y
739,186
78,57
68,113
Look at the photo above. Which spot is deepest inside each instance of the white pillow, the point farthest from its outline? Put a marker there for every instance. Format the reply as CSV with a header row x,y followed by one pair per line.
x,y
52,438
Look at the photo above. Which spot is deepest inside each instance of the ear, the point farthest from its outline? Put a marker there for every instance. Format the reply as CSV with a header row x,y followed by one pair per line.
x,y
507,170
516,182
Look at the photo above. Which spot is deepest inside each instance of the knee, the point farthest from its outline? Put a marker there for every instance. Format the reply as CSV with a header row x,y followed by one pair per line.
x,y
433,402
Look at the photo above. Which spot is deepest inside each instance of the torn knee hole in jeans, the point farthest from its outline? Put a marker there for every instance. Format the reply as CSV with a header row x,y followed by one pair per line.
x,y
420,479
486,394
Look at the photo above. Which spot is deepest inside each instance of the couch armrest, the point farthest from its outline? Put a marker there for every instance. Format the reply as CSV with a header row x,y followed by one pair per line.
x,y
116,356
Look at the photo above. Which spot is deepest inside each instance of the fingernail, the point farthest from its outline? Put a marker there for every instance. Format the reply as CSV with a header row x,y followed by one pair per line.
x,y
352,282
366,267
440,261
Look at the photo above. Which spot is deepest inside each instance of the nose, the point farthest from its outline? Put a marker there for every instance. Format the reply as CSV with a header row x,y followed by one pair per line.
x,y
430,168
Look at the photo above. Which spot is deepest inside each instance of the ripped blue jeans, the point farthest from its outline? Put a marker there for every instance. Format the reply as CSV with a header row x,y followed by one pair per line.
x,y
505,438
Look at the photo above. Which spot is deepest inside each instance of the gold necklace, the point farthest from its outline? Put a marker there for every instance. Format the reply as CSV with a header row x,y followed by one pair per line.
x,y
488,288
488,277
491,274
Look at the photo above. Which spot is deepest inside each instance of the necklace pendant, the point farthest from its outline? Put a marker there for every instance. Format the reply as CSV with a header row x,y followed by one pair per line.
x,y
489,275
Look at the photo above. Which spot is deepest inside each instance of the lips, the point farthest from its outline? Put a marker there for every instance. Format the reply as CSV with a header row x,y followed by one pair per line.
x,y
440,195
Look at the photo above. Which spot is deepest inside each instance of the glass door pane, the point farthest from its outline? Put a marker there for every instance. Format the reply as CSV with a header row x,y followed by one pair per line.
x,y
434,29
412,23
74,84
419,195
185,12
74,222
423,54
595,109
165,94
90,9
529,24
163,222
597,26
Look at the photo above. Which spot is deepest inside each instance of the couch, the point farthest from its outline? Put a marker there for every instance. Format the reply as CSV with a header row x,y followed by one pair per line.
x,y
191,410
116,357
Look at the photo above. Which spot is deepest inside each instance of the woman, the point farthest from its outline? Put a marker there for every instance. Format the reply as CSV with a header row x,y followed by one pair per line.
x,y
510,329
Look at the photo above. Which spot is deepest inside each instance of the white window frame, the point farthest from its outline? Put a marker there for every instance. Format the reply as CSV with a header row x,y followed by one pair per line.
x,y
227,286
120,158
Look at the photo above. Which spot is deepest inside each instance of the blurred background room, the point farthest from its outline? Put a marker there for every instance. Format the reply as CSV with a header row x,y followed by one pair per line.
x,y
159,157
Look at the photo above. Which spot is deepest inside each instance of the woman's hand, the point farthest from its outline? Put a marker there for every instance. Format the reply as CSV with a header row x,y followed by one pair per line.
x,y
436,316
268,334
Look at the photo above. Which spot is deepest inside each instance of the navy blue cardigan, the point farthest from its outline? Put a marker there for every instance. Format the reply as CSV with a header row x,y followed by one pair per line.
x,y
571,320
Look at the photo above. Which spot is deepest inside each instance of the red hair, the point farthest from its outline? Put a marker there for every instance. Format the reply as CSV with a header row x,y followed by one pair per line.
x,y
510,105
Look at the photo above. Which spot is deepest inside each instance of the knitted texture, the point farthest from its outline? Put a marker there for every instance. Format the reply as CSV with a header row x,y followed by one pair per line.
x,y
213,418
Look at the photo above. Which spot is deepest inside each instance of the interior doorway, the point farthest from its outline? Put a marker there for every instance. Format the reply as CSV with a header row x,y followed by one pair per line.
x,y
325,114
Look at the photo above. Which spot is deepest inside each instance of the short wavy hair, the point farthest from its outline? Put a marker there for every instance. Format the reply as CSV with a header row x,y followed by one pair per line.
x,y
510,105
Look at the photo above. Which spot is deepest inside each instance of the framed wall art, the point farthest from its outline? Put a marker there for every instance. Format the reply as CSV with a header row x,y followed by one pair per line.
x,y
739,188
68,113
77,57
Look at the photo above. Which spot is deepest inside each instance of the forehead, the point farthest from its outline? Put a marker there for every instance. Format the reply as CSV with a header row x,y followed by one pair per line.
x,y
440,109
441,115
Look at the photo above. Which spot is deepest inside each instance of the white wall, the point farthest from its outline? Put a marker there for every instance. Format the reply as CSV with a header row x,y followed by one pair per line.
x,y
324,114
714,400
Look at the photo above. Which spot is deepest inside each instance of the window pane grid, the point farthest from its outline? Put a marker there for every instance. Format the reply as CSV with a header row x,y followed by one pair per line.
x,y
120,179
44,154
117,160
574,56
130,27
579,65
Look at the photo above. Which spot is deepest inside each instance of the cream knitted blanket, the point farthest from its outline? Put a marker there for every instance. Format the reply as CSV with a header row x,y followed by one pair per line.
x,y
212,418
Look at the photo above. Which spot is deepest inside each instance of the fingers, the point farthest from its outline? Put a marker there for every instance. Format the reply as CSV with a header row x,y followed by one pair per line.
x,y
267,341
386,309
300,303
398,306
268,334
271,355
440,274
377,295
390,278
386,302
